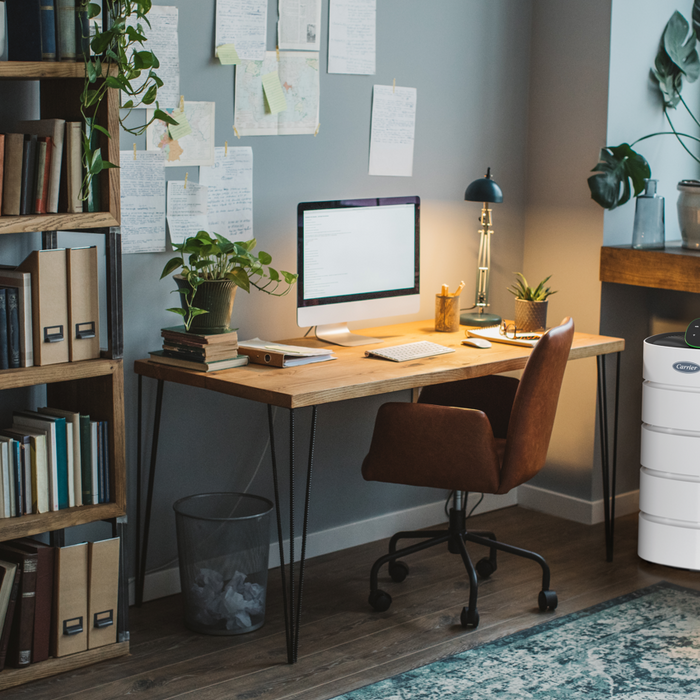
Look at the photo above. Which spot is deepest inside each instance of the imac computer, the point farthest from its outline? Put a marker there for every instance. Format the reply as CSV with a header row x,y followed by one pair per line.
x,y
357,259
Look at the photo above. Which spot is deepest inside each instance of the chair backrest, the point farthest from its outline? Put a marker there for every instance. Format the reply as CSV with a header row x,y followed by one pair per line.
x,y
535,406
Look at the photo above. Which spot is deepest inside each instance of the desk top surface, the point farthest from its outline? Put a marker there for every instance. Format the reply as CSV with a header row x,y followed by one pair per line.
x,y
353,375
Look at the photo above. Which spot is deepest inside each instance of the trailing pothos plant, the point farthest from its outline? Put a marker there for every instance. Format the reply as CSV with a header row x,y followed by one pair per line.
x,y
117,52
621,170
204,257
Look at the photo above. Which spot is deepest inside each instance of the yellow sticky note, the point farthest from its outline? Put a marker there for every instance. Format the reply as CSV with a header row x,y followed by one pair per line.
x,y
274,94
227,54
183,127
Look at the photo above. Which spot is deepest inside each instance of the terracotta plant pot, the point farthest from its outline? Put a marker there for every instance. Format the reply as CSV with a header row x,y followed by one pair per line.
x,y
216,296
530,315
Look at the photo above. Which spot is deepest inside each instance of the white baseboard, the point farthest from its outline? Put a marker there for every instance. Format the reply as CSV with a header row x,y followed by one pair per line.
x,y
572,508
159,584
163,583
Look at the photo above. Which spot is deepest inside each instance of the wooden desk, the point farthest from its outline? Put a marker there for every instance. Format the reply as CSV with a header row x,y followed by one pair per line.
x,y
351,376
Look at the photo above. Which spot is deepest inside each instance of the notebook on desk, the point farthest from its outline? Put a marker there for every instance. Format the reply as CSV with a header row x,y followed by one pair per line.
x,y
526,339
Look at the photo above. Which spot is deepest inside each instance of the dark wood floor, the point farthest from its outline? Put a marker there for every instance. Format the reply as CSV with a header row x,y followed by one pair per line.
x,y
344,644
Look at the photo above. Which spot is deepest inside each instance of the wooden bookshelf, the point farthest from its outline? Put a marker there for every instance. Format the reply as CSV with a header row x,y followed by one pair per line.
x,y
674,267
94,387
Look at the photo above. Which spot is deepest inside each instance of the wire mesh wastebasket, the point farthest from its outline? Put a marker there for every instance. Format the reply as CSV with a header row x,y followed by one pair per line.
x,y
223,543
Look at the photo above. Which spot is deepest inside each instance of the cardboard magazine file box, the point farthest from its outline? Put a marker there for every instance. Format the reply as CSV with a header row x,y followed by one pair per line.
x,y
103,592
49,304
83,304
69,630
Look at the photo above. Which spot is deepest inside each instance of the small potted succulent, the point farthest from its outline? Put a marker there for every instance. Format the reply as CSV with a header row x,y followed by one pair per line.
x,y
530,303
211,268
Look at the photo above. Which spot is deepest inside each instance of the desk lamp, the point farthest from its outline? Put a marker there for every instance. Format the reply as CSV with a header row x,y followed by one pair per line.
x,y
483,190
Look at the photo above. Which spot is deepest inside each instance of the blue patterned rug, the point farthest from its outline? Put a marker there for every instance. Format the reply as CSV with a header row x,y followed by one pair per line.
x,y
640,646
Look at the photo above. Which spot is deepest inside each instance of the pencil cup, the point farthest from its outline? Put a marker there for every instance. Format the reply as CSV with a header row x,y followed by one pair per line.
x,y
446,313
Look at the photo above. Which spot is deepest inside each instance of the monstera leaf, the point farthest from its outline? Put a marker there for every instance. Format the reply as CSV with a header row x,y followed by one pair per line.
x,y
618,165
677,57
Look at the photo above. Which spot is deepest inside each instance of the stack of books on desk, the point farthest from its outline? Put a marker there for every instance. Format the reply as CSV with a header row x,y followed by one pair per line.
x,y
203,352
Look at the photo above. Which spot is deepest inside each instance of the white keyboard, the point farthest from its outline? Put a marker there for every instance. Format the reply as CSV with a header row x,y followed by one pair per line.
x,y
409,351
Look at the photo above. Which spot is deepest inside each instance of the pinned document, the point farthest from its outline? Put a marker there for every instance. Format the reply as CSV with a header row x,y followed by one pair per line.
x,y
227,55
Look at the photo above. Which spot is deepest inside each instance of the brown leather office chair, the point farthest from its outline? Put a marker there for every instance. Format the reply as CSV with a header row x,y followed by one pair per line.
x,y
488,434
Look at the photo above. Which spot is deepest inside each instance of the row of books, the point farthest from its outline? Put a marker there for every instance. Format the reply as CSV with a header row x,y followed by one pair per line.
x,y
47,30
41,168
202,352
51,459
49,308
56,601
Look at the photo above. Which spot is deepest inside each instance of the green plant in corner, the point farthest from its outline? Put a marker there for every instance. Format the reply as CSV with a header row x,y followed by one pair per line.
x,y
621,169
203,257
118,54
522,290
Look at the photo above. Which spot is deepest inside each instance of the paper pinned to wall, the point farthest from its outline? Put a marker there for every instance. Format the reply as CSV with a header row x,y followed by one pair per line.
x,y
229,185
194,148
243,23
299,25
227,55
187,210
298,75
352,31
393,130
162,39
142,201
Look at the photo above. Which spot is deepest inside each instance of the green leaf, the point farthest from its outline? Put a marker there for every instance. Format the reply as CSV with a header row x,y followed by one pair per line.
x,y
273,274
289,277
101,129
164,117
265,258
179,312
93,10
150,96
618,166
172,265
240,277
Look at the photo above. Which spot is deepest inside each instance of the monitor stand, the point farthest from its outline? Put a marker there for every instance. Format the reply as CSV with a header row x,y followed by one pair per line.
x,y
339,334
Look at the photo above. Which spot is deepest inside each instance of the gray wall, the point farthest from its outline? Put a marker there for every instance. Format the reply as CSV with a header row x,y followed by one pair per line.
x,y
469,62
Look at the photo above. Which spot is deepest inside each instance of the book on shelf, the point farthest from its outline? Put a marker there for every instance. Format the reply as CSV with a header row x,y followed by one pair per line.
x,y
21,467
22,281
2,165
23,30
48,30
19,648
75,497
74,166
44,594
95,461
82,31
55,129
199,366
65,29
38,476
26,205
43,172
179,334
14,481
4,339
12,174
9,589
13,332
5,481
106,491
88,470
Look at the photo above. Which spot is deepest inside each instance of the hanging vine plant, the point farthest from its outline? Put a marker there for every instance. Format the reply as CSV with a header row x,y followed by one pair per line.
x,y
117,52
621,170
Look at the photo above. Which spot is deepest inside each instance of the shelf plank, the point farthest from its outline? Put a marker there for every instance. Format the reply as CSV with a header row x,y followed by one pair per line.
x,y
63,372
28,525
58,222
11,677
674,267
38,70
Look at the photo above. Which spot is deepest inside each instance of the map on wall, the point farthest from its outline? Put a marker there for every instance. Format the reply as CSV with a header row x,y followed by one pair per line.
x,y
298,75
189,143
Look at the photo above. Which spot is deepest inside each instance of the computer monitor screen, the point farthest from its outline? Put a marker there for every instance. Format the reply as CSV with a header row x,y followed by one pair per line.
x,y
357,259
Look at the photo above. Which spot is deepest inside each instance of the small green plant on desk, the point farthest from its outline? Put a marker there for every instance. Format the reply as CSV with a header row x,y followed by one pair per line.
x,y
522,290
205,259
530,303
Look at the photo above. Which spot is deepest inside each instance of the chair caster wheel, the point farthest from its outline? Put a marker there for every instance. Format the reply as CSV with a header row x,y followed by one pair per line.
x,y
469,619
380,600
547,600
398,571
484,567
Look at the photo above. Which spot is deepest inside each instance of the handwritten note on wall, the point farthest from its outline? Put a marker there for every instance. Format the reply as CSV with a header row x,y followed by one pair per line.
x,y
393,131
229,185
242,23
187,210
352,29
142,202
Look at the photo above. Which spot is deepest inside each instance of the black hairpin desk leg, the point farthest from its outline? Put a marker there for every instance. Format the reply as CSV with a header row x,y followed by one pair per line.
x,y
292,604
608,460
141,561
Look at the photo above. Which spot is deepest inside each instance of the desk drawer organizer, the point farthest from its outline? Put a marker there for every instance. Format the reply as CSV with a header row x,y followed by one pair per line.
x,y
669,486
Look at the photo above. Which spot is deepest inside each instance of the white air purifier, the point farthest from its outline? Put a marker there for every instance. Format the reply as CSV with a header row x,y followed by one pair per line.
x,y
669,485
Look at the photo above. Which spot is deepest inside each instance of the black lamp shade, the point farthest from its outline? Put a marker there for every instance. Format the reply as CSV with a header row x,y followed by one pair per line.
x,y
484,190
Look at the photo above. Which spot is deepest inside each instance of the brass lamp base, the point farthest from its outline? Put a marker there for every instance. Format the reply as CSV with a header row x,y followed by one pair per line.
x,y
481,320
